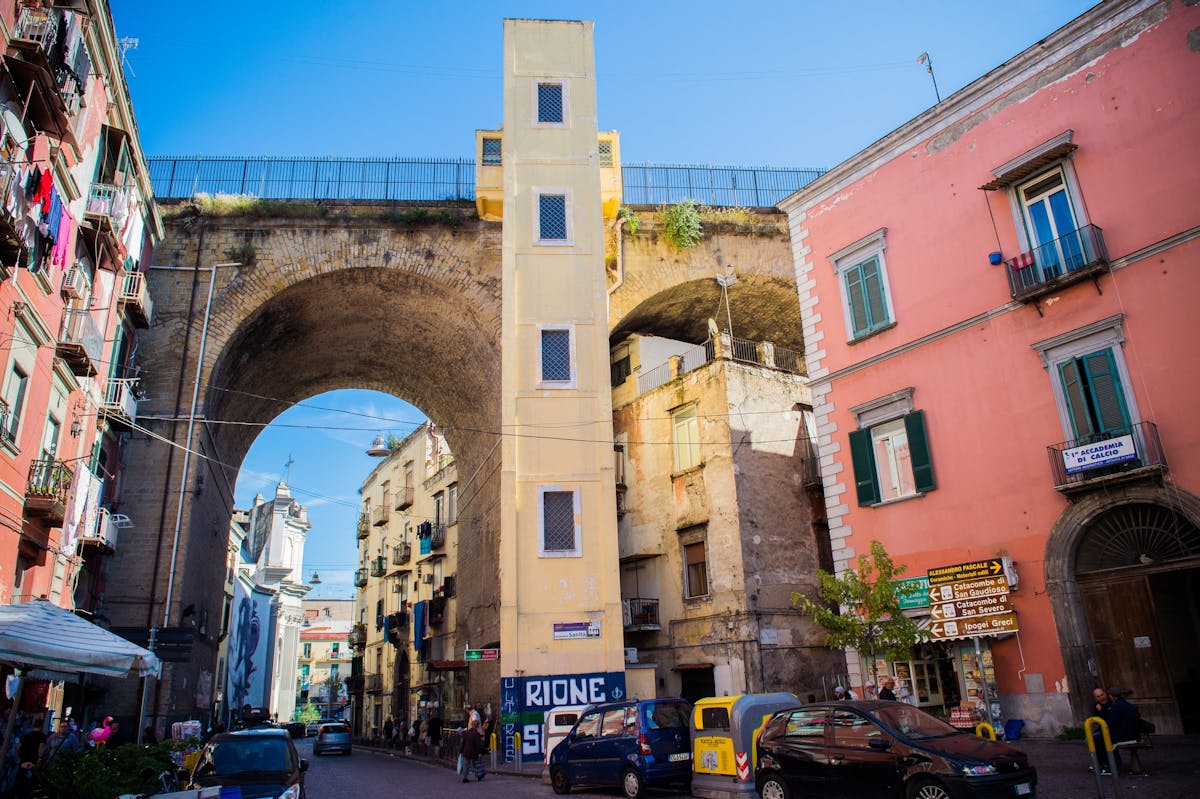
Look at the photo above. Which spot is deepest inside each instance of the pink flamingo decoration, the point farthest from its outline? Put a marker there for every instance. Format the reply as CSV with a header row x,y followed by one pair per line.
x,y
100,734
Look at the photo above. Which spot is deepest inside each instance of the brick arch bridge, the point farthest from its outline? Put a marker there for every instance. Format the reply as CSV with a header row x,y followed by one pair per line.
x,y
399,298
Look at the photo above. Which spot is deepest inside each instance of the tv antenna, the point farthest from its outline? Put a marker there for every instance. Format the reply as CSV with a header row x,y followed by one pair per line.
x,y
127,43
928,62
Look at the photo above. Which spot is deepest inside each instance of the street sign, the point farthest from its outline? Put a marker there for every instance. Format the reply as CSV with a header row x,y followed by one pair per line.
x,y
483,654
974,628
965,571
576,629
969,589
970,608
912,592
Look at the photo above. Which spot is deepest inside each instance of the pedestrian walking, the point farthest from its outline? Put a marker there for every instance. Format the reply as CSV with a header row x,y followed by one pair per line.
x,y
885,689
472,752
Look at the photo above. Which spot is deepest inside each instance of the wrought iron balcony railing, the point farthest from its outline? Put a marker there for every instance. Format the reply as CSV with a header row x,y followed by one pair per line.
x,y
47,488
135,298
404,497
364,525
360,578
380,514
1048,267
401,554
640,614
1115,456
378,566
120,402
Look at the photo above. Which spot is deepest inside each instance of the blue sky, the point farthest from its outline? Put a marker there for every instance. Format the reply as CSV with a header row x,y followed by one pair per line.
x,y
768,83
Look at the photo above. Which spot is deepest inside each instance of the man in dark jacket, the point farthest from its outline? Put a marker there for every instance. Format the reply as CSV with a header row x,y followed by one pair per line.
x,y
472,751
1124,724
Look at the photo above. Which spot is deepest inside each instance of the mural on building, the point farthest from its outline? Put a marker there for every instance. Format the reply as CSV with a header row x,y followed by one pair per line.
x,y
248,646
525,700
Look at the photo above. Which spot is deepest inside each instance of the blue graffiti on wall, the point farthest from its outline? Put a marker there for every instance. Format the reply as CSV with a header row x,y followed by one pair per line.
x,y
525,700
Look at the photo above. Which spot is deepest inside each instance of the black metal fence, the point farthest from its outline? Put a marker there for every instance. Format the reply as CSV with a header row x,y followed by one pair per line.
x,y
437,179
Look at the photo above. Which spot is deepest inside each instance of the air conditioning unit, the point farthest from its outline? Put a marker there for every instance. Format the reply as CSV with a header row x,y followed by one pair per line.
x,y
631,654
75,283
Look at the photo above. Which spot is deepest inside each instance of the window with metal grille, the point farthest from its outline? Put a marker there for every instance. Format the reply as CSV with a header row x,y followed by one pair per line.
x,y
606,157
552,217
556,355
558,522
550,106
491,152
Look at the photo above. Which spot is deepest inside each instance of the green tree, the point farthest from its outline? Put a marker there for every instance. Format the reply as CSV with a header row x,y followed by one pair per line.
x,y
862,612
309,713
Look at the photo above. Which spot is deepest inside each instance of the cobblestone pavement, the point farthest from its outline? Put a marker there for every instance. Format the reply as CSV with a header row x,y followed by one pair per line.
x,y
1172,772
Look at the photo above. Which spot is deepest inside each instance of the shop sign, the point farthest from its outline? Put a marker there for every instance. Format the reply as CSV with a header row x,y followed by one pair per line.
x,y
1100,453
576,629
483,654
974,628
965,571
912,592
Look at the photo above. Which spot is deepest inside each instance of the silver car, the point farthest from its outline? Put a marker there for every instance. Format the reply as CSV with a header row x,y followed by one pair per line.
x,y
332,738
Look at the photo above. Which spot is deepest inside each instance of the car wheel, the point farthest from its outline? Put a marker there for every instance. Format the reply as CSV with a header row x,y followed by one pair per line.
x,y
927,789
631,783
559,781
773,788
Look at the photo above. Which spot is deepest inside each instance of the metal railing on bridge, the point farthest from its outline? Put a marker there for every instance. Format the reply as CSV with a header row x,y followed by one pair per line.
x,y
446,179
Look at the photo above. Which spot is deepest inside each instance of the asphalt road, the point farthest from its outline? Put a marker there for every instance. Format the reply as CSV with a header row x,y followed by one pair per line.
x,y
366,774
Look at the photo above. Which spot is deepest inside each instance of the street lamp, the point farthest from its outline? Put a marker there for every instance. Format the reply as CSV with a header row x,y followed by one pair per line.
x,y
725,281
378,448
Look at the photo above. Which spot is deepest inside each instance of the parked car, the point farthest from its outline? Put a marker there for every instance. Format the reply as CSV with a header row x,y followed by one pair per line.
x,y
260,762
630,744
313,726
296,729
882,749
333,737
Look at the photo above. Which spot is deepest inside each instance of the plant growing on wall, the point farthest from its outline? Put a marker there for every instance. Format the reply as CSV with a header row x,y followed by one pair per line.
x,y
862,611
628,218
681,223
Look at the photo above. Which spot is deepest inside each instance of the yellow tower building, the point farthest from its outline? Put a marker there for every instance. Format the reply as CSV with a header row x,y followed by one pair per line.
x,y
560,610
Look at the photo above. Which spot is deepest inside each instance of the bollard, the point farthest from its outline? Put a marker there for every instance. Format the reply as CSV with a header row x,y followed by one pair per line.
x,y
517,749
492,746
991,731
1088,724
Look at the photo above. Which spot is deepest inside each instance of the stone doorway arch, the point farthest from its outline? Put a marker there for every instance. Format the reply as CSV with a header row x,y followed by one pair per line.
x,y
1114,564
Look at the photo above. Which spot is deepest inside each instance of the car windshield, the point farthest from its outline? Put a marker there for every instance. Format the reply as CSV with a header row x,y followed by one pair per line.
x,y
667,715
912,723
328,728
242,755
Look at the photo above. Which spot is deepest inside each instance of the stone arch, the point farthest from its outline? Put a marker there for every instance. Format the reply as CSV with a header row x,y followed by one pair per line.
x,y
1062,546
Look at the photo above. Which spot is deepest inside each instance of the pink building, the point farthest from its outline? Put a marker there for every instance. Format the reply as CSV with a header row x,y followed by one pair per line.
x,y
996,301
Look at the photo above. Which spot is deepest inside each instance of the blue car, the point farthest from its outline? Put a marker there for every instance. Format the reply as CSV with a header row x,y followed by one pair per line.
x,y
628,744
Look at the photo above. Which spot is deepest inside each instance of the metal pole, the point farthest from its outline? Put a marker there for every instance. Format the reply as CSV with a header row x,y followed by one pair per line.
x,y
983,686
145,693
12,716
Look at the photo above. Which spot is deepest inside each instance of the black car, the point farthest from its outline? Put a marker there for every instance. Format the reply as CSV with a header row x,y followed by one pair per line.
x,y
883,749
261,763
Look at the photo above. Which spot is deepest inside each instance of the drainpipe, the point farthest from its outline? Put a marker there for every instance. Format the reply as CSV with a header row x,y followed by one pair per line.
x,y
187,451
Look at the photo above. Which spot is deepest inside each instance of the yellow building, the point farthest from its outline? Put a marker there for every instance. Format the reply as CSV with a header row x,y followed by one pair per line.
x,y
325,656
411,661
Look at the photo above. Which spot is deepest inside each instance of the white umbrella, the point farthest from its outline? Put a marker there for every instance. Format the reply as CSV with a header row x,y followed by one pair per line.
x,y
39,635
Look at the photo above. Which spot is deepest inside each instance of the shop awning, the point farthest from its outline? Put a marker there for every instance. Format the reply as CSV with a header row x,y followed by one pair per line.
x,y
1032,161
41,635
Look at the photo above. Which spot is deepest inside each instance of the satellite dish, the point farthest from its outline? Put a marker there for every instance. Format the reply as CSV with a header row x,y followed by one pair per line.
x,y
14,128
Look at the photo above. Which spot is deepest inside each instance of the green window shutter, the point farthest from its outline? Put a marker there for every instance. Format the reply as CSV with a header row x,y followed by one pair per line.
x,y
1104,385
877,315
859,320
863,459
1075,392
918,451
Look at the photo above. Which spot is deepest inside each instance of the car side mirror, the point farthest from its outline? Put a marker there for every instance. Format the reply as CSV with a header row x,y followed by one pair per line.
x,y
882,744
303,764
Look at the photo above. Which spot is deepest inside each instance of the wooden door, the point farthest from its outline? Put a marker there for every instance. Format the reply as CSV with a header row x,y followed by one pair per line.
x,y
1129,653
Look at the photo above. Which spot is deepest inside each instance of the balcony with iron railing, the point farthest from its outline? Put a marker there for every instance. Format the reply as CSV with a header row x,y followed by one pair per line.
x,y
120,402
1124,455
12,214
364,525
639,613
104,536
109,202
724,347
8,431
358,635
373,683
47,488
135,298
437,536
1069,259
378,566
80,344
401,554
404,497
360,578
380,514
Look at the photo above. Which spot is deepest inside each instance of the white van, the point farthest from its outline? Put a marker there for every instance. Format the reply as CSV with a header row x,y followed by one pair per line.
x,y
559,721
